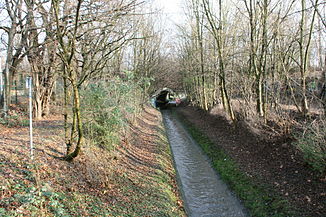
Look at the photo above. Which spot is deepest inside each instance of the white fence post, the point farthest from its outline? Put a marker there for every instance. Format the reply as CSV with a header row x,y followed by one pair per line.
x,y
29,87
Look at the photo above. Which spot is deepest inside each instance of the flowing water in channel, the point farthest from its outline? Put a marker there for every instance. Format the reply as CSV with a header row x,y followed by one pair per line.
x,y
204,193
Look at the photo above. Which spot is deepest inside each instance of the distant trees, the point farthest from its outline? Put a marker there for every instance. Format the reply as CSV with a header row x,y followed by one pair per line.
x,y
15,33
146,49
256,52
41,51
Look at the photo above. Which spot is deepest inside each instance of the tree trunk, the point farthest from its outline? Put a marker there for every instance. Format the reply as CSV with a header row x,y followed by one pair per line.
x,y
37,108
202,69
303,60
65,111
304,45
217,34
323,91
260,95
1,88
225,96
6,92
262,62
79,124
7,77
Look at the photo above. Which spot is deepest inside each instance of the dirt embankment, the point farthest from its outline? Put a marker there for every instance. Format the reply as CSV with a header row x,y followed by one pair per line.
x,y
274,162
135,178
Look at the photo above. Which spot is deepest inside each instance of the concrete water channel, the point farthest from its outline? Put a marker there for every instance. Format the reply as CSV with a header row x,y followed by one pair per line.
x,y
203,192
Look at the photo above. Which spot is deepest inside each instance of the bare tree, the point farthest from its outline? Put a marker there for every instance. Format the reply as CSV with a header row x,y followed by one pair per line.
x,y
88,35
14,47
304,45
41,55
216,29
146,51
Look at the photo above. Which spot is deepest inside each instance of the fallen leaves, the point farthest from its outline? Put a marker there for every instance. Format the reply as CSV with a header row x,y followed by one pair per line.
x,y
274,162
126,179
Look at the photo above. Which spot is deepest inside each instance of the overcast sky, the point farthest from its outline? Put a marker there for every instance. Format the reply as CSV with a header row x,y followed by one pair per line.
x,y
173,14
173,10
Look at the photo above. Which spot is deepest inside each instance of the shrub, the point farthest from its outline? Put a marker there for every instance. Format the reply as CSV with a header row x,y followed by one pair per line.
x,y
312,143
107,106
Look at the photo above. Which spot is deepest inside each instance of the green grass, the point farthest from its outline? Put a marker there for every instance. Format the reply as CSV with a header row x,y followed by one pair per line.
x,y
260,200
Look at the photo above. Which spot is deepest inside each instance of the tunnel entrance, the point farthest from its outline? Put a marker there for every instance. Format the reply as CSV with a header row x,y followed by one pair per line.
x,y
165,98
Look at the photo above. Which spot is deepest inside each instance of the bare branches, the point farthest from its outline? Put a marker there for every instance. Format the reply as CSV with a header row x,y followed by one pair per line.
x,y
262,42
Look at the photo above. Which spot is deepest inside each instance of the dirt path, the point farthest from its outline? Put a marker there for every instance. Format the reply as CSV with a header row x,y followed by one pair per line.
x,y
274,162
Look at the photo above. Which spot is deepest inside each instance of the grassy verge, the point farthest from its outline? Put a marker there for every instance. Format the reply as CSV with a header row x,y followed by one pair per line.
x,y
98,183
260,200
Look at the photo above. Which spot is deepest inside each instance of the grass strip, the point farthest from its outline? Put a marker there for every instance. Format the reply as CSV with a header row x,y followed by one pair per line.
x,y
261,200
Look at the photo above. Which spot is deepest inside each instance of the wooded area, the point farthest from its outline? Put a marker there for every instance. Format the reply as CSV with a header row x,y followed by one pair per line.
x,y
258,64
258,60
268,52
72,45
262,62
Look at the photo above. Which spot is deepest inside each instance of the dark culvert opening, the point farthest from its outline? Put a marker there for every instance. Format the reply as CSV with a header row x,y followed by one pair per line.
x,y
165,98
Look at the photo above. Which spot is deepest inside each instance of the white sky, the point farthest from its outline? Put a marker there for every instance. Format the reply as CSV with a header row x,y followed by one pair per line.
x,y
173,11
173,14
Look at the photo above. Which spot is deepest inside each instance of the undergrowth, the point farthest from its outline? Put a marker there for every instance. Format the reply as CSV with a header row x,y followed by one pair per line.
x,y
107,107
259,199
312,143
24,196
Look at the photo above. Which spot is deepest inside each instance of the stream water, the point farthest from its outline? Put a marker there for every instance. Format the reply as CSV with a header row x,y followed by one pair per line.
x,y
203,192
